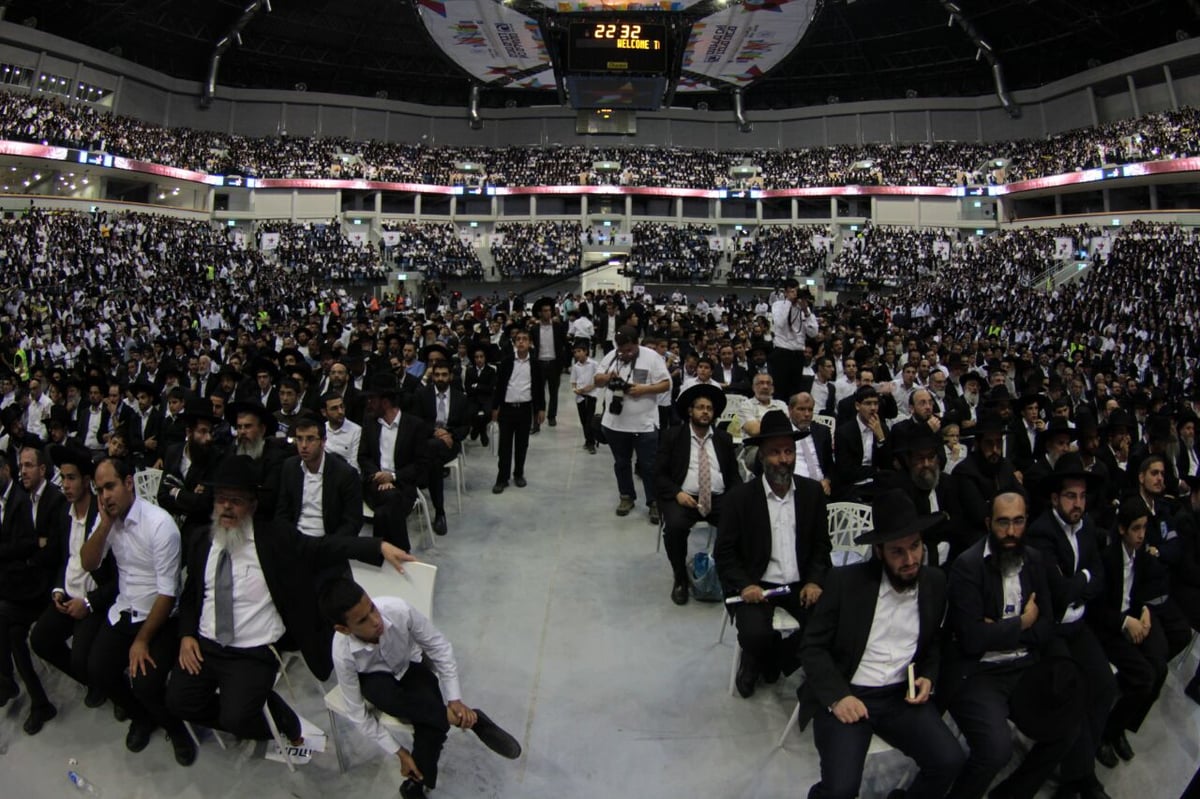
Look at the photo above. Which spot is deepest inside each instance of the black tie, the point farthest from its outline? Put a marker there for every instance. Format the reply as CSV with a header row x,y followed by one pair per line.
x,y
830,400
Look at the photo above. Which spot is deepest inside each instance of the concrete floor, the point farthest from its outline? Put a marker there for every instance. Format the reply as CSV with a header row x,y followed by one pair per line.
x,y
564,633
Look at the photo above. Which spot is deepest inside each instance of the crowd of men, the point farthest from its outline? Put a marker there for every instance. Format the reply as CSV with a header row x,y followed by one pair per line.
x,y
673,253
312,250
537,249
44,118
436,249
776,252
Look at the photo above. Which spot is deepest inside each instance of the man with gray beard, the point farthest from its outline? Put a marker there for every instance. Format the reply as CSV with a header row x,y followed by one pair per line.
x,y
918,451
250,582
254,427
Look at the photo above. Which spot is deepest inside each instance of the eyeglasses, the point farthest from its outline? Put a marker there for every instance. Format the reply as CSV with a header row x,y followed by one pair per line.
x,y
1006,523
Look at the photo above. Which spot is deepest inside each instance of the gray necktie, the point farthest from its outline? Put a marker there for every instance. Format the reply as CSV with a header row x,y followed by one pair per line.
x,y
224,598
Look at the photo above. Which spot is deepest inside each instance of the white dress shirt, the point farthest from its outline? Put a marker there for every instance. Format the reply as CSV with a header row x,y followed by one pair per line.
x,y
791,326
1013,606
584,375
691,481
146,547
406,634
640,414
520,383
783,567
892,642
387,443
78,582
808,464
546,343
312,500
91,438
256,622
868,441
820,395
344,441
1127,559
1071,533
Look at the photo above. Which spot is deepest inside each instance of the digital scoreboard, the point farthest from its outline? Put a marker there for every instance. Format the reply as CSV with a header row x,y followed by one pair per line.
x,y
617,46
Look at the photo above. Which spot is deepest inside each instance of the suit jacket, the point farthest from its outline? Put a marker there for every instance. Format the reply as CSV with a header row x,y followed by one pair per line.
x,y
1020,451
1068,584
139,431
976,488
341,495
837,630
1187,570
411,454
288,560
195,507
504,374
743,547
848,455
171,430
739,382
562,351
51,514
947,492
976,593
823,442
18,546
481,385
458,415
674,453
124,416
55,554
1104,611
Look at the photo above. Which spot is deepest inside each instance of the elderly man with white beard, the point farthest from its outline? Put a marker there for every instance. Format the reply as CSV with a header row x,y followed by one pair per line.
x,y
254,428
251,582
931,490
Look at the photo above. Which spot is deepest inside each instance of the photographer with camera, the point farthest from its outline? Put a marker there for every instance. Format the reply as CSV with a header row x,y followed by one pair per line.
x,y
793,323
634,376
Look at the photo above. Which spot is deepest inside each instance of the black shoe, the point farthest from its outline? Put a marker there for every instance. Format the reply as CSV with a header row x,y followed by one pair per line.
x,y
494,738
654,517
591,448
679,594
1067,790
119,714
95,698
439,524
1106,756
138,736
747,676
38,716
1090,788
1193,690
899,793
411,789
8,690
552,422
533,431
1121,746
770,673
519,481
499,487
184,746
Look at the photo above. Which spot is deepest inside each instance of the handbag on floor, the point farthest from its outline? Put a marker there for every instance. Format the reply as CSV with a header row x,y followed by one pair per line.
x,y
702,572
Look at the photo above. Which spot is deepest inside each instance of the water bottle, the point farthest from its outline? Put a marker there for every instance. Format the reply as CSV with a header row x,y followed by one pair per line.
x,y
82,785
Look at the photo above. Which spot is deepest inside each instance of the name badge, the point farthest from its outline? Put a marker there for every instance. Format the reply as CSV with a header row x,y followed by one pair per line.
x,y
1009,609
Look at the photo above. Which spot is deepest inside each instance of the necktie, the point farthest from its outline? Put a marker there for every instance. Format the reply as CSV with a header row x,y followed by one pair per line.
x,y
441,410
831,400
224,598
705,480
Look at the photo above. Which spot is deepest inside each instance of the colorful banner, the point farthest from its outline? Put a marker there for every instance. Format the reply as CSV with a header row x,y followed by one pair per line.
x,y
491,41
741,43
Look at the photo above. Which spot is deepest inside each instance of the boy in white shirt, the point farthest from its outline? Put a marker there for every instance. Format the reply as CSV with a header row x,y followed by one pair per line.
x,y
583,383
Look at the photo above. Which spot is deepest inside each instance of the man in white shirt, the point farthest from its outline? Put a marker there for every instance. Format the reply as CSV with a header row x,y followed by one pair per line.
x,y
377,653
342,436
140,632
793,323
874,673
583,384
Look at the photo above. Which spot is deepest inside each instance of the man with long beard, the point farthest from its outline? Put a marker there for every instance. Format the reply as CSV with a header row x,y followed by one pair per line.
x,y
187,466
254,427
983,474
931,490
858,665
250,582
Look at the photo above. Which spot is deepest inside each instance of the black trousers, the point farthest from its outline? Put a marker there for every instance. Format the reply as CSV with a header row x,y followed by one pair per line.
x,y
391,513
1085,649
439,456
49,641
980,708
417,699
230,691
677,525
916,730
515,421
767,649
1175,624
587,412
787,367
143,696
16,617
1141,671
553,374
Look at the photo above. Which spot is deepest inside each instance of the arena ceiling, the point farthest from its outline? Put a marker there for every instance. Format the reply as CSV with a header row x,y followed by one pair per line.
x,y
849,50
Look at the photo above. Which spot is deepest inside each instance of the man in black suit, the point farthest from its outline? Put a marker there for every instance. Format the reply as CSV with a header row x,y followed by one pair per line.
x,y
517,403
696,466
187,467
814,453
319,493
145,426
479,383
783,507
553,353
254,426
88,416
258,588
1001,618
1024,428
449,412
115,414
871,659
393,460
984,473
918,452
171,427
728,374
1070,543
79,599
862,450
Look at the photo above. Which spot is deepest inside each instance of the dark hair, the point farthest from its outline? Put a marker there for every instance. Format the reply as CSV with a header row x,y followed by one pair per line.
x,y
864,393
338,597
329,395
1133,507
307,419
123,467
1149,461
290,382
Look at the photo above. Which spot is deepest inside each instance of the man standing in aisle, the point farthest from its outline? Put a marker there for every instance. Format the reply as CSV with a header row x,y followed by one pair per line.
x,y
793,324
550,340
519,400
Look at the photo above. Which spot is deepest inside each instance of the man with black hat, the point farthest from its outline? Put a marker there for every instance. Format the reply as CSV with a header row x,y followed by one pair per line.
x,y
448,411
479,383
1027,423
188,466
518,403
793,323
89,416
1053,442
250,582
254,426
144,426
1071,545
919,452
550,342
393,460
265,392
984,473
1114,454
696,466
773,534
871,658
1001,618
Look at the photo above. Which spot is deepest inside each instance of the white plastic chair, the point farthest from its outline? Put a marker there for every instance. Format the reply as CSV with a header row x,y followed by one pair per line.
x,y
457,469
828,421
415,587
782,622
420,506
146,483
847,520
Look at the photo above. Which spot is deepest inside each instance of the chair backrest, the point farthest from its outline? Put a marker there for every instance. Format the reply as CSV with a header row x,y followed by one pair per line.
x,y
415,586
846,521
145,484
828,421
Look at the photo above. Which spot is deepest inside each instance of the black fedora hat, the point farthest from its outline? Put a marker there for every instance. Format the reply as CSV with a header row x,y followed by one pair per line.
x,y
199,409
775,424
915,437
143,386
438,348
683,402
541,303
268,419
237,472
61,455
1057,426
988,422
1070,467
1118,419
381,384
1085,422
894,516
1048,700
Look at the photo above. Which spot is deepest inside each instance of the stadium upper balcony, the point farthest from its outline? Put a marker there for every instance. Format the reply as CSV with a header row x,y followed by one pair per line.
x,y
44,127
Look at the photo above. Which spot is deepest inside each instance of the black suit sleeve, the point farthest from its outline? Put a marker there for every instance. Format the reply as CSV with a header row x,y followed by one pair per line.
x,y
816,653
350,498
817,563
